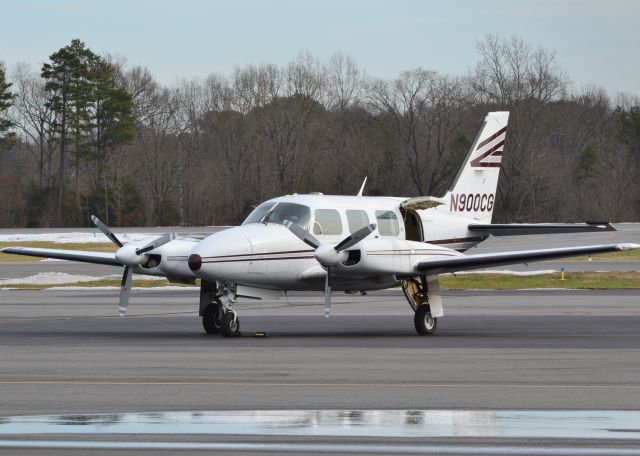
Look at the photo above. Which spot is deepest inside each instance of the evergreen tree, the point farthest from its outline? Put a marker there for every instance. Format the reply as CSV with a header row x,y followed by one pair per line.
x,y
69,89
113,122
6,98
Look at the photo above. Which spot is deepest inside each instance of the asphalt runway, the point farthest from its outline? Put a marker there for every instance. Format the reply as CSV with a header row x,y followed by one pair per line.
x,y
65,352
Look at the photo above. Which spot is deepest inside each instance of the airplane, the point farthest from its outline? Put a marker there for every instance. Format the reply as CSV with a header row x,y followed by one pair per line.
x,y
316,242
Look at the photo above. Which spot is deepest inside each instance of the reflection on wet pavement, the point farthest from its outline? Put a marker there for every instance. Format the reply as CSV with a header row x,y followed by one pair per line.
x,y
344,423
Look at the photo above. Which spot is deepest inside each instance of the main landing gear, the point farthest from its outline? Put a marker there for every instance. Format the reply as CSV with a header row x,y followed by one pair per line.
x,y
218,316
424,323
417,293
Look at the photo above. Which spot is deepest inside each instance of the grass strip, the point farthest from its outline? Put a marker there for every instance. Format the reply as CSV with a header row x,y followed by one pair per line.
x,y
585,280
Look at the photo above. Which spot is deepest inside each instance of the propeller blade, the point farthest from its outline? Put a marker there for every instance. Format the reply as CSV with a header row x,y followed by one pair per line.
x,y
162,240
106,231
302,234
327,294
125,290
356,237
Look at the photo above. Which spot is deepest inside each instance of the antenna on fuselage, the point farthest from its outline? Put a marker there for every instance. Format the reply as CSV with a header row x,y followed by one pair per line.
x,y
362,188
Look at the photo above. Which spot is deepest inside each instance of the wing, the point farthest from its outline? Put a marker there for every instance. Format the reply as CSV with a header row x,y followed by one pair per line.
x,y
72,255
468,262
516,229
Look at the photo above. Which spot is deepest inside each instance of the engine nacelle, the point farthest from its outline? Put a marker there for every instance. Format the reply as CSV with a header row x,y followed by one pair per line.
x,y
391,256
172,261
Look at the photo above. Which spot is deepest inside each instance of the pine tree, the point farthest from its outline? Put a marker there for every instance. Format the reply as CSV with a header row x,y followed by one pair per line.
x,y
69,90
113,121
6,98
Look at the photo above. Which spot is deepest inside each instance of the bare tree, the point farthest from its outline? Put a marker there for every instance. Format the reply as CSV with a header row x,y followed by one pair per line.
x,y
344,82
33,117
304,76
509,71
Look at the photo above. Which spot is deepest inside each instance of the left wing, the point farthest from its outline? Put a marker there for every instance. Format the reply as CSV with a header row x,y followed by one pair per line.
x,y
71,255
468,262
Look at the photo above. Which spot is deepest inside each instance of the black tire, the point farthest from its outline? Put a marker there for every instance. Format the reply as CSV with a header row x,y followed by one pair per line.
x,y
423,321
230,325
211,321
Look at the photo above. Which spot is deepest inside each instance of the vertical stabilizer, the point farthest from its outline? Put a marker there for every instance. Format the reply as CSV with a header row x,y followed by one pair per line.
x,y
473,192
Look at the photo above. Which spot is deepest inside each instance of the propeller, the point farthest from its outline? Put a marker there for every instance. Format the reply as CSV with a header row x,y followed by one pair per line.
x,y
329,255
130,256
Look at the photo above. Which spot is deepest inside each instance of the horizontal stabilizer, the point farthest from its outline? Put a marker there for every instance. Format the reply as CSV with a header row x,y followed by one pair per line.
x,y
519,229
71,255
485,260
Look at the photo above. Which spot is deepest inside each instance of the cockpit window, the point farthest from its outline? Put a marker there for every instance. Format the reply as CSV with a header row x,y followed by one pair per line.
x,y
259,212
296,213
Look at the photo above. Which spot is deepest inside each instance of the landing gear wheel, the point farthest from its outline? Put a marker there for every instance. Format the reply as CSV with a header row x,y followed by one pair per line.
x,y
211,320
423,321
230,325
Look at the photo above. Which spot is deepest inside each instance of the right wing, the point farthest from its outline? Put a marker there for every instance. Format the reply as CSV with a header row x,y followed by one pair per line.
x,y
483,260
516,229
71,255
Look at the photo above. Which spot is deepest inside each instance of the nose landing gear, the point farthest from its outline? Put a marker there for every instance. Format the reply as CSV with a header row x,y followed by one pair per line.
x,y
230,324
212,317
218,316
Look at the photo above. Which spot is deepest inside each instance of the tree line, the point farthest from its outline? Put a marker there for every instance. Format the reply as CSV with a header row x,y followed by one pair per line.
x,y
87,134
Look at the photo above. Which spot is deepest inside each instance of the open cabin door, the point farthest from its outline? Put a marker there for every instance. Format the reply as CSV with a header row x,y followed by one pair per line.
x,y
412,225
414,230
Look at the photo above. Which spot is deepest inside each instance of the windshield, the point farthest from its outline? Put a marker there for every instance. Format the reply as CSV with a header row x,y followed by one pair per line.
x,y
257,214
296,213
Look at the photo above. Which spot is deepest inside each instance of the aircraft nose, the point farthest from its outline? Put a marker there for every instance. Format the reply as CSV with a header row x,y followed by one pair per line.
x,y
195,262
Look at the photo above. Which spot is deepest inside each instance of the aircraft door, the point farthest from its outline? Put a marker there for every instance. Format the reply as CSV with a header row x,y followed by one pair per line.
x,y
412,226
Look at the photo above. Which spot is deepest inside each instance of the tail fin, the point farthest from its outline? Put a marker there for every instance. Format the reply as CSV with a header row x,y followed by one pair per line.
x,y
473,191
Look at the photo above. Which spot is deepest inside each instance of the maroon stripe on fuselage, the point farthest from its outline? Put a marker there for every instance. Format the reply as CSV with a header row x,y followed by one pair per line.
x,y
253,254
456,241
259,259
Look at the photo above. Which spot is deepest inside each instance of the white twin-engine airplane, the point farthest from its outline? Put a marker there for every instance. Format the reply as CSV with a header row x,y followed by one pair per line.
x,y
348,243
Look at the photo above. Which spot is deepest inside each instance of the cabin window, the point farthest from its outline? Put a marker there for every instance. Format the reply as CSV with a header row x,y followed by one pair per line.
x,y
296,213
356,219
387,223
259,212
327,222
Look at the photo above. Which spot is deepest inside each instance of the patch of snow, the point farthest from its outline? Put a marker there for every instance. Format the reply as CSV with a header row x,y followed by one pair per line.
x,y
77,237
59,278
169,287
49,278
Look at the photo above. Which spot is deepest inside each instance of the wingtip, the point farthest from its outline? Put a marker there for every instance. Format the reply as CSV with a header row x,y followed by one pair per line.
x,y
627,246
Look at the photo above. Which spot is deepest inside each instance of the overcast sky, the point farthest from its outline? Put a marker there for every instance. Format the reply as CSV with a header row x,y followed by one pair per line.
x,y
596,41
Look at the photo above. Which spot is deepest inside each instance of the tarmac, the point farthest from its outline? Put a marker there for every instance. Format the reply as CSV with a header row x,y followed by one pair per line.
x,y
551,352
